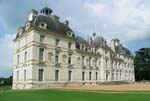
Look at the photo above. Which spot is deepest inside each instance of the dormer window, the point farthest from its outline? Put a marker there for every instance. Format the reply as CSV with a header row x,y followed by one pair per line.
x,y
20,31
27,25
69,33
43,25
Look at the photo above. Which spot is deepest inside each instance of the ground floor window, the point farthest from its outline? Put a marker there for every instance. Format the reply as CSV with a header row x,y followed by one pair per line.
x,y
56,75
96,76
69,75
24,75
90,75
17,75
83,76
41,74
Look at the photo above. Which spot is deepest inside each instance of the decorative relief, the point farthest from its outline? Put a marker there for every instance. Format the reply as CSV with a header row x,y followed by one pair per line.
x,y
64,58
50,56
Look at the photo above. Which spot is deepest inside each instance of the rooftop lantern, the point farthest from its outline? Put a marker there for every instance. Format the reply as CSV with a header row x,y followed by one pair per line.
x,y
46,11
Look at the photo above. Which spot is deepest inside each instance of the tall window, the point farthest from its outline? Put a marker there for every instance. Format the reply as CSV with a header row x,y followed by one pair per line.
x,y
18,59
17,75
96,75
83,76
56,75
83,60
42,38
69,75
24,75
69,45
90,75
69,59
96,62
41,54
57,42
41,74
25,56
56,56
90,61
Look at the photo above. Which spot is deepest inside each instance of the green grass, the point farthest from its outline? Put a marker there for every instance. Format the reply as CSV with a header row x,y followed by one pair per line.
x,y
5,87
61,95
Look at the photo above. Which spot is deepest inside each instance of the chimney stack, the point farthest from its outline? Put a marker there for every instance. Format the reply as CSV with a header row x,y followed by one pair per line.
x,y
32,14
66,22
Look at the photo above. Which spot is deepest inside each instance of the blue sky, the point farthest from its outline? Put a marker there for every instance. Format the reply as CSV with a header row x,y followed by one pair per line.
x,y
128,20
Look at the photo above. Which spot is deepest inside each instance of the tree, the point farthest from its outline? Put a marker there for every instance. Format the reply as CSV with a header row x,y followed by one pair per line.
x,y
142,64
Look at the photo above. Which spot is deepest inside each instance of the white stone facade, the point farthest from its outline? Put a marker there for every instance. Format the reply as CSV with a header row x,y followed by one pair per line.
x,y
45,58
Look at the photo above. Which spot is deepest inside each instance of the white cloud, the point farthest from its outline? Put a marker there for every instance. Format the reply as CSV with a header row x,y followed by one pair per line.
x,y
6,54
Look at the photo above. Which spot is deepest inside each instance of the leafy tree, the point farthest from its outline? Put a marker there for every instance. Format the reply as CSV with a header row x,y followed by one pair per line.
x,y
142,64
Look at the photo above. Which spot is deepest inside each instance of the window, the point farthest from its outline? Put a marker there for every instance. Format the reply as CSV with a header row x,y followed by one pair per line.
x,y
112,76
69,45
90,61
96,62
41,54
17,75
69,75
56,75
41,74
57,56
69,59
83,76
57,42
83,60
82,48
24,75
25,56
96,76
42,38
18,59
90,75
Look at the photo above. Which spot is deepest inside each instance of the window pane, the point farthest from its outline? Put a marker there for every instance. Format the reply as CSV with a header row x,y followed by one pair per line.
x,y
41,54
69,75
41,74
56,75
42,38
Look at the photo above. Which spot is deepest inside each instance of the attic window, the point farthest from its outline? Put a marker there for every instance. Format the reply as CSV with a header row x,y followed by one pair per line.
x,y
69,33
27,26
43,25
20,31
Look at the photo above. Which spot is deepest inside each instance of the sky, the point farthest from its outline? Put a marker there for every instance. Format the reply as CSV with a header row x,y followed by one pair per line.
x,y
128,20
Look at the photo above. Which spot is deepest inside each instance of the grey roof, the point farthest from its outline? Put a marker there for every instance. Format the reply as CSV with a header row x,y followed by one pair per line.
x,y
98,42
52,25
81,40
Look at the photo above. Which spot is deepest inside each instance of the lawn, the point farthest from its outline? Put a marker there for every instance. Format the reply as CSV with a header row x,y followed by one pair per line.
x,y
62,95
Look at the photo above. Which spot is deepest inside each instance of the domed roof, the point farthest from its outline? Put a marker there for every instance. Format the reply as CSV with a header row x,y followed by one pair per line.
x,y
46,11
52,24
98,42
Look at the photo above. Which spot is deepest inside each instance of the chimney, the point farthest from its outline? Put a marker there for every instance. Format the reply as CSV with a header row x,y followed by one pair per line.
x,y
114,43
56,18
32,14
66,22
90,41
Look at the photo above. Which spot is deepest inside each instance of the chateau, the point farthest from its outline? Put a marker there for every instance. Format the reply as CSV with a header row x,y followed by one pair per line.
x,y
49,54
